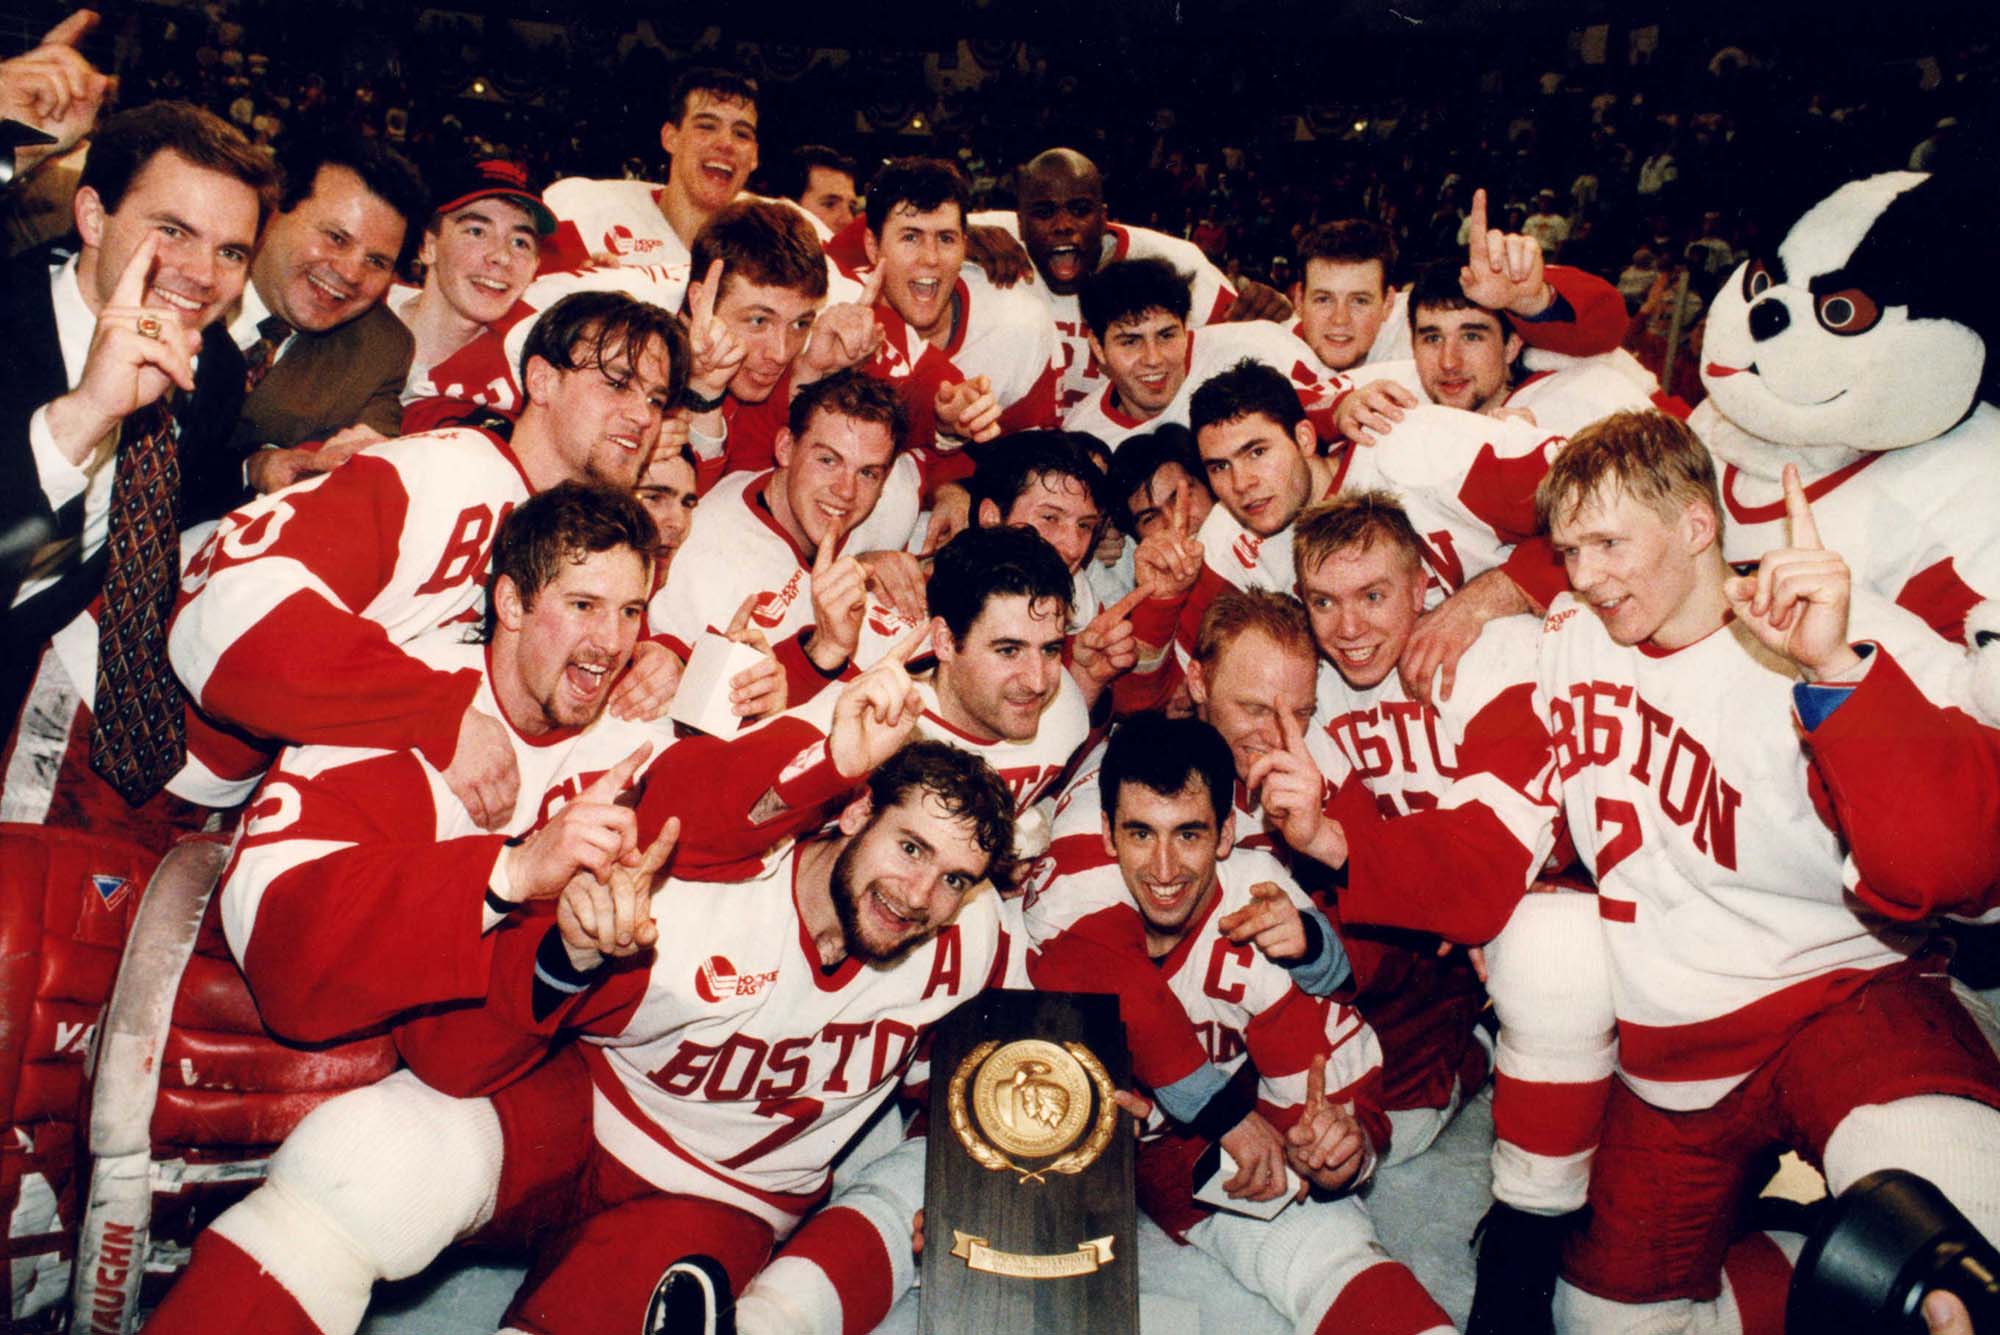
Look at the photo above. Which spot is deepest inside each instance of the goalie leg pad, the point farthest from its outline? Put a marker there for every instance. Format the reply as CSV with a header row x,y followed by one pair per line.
x,y
372,1185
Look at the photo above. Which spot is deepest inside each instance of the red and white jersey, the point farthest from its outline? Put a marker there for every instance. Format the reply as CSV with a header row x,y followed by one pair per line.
x,y
738,548
621,219
1080,376
410,882
1239,1002
1467,482
295,614
1722,888
1211,351
1000,333
1483,747
737,1068
1916,525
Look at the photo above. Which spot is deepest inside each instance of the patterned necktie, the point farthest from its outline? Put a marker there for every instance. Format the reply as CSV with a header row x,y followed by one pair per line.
x,y
140,736
271,335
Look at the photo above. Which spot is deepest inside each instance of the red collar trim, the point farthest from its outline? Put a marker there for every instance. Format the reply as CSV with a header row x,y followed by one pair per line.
x,y
759,505
958,732
825,979
1121,241
1764,514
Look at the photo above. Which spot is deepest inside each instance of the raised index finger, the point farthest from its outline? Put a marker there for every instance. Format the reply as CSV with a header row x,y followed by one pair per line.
x,y
871,286
606,786
911,645
703,309
1122,609
1289,732
1316,1083
132,283
1805,530
1475,237
71,30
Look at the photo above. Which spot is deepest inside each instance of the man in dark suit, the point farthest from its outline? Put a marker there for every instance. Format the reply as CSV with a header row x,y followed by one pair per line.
x,y
117,398
327,359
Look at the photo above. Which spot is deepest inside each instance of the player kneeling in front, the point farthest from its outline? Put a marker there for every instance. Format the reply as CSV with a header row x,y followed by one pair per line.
x,y
1771,989
1167,787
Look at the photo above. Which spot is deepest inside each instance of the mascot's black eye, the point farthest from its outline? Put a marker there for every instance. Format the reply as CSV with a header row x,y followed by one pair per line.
x,y
1757,280
1848,311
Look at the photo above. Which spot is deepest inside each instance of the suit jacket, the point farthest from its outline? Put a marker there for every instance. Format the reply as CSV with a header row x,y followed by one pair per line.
x,y
31,373
324,382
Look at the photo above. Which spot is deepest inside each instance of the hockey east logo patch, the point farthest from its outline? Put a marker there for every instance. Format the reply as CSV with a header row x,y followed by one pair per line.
x,y
717,980
111,891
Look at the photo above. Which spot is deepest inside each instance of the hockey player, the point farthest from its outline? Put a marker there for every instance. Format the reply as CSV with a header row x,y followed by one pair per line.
x,y
1227,932
1059,215
828,963
971,360
670,493
1765,990
294,613
763,535
711,135
1136,314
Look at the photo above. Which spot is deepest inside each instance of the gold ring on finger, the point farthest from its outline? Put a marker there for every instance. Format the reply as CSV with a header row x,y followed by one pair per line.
x,y
149,326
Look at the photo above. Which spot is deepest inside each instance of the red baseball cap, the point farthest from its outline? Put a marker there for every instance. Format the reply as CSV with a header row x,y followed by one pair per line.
x,y
495,178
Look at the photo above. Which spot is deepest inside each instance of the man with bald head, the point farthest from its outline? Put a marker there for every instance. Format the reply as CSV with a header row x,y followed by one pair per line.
x,y
1061,220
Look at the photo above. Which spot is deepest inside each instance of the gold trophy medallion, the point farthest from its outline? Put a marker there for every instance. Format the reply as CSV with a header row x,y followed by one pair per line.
x,y
1032,1098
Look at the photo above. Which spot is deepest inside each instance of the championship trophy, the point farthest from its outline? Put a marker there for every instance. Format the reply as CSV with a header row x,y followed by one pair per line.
x,y
1029,1211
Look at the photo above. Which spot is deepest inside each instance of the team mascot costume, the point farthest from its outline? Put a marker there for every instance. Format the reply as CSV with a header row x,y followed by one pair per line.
x,y
1864,351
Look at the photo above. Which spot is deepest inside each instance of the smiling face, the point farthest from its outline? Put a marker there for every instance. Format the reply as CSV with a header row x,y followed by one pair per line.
x,y
1342,304
1145,359
919,255
997,681
1258,470
603,421
1062,219
1364,603
714,149
1241,695
556,656
772,324
207,225
829,477
1167,846
1060,508
481,258
1636,568
903,875
333,256
1464,357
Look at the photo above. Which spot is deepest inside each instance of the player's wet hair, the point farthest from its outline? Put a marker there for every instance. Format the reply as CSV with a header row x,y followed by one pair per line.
x,y
982,564
1237,612
1436,288
1247,389
1655,459
922,184
126,142
850,394
1353,520
1127,289
566,524
795,172
1166,755
1143,455
763,242
1014,463
389,176
598,329
1349,241
722,85
959,781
